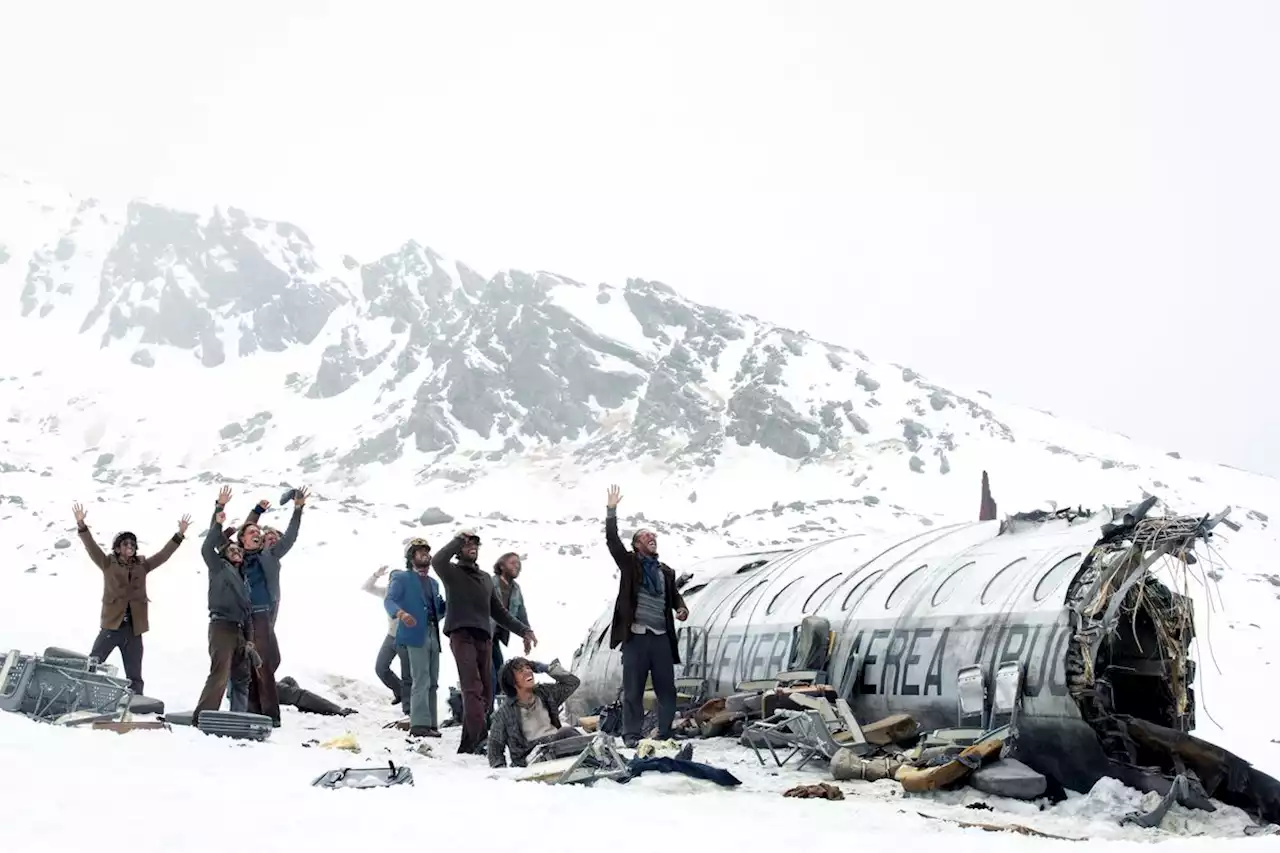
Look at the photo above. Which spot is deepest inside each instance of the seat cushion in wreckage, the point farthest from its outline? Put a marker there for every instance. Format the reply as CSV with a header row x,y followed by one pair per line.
x,y
916,780
895,728
1009,777
145,705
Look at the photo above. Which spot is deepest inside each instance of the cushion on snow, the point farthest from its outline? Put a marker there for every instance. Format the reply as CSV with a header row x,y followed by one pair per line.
x,y
1008,777
146,705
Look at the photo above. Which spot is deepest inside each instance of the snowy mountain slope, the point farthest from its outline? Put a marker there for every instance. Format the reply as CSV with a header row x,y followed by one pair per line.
x,y
149,354
414,369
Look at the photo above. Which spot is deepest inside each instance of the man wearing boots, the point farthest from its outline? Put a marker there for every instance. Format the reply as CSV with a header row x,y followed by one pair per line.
x,y
643,624
473,603
230,608
123,619
413,599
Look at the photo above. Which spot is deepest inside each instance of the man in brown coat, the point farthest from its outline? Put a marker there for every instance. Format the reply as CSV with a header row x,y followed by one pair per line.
x,y
123,620
644,615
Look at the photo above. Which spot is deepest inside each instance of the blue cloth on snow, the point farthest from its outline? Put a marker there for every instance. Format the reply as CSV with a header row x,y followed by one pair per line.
x,y
693,769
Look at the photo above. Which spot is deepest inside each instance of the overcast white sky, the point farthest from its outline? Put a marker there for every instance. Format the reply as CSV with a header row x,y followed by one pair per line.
x,y
1075,206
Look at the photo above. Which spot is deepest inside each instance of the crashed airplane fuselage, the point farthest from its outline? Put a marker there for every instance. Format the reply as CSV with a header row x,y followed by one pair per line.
x,y
1071,598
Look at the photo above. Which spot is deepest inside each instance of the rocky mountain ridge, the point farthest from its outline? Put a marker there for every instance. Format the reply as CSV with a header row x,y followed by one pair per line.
x,y
436,366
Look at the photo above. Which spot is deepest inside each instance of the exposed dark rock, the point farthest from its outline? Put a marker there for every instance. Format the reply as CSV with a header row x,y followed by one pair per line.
x,y
866,382
104,459
62,543
1173,454
434,515
143,358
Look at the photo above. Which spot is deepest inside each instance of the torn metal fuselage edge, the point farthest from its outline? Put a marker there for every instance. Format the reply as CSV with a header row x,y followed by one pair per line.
x,y
1130,671
1071,596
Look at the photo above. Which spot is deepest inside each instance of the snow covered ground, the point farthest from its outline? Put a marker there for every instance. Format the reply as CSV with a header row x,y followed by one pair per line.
x,y
141,445
330,632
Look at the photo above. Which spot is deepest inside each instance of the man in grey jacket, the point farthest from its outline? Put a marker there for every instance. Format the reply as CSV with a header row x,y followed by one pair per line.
x,y
505,572
401,687
229,608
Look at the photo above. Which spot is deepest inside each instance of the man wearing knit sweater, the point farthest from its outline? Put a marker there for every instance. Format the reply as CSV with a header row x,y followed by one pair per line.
x,y
643,624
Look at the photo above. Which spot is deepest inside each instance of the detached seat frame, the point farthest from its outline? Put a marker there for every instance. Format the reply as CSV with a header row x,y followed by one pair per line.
x,y
590,758
810,733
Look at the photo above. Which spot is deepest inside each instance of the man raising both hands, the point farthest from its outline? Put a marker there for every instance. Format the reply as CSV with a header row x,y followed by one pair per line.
x,y
123,619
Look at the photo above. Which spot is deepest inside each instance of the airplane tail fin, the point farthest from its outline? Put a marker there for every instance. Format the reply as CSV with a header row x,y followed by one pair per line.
x,y
987,510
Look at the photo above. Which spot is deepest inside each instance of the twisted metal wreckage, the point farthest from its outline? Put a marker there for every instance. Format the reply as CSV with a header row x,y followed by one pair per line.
x,y
1049,626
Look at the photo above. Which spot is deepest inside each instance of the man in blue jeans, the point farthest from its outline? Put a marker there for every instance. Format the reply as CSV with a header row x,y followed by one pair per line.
x,y
505,572
413,598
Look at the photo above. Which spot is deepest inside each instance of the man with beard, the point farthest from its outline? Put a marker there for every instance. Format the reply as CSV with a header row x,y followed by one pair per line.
x,y
473,607
229,608
413,599
642,624
261,567
123,619
505,572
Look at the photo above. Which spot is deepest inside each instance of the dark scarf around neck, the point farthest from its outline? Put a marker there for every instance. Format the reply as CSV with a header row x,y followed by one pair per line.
x,y
651,573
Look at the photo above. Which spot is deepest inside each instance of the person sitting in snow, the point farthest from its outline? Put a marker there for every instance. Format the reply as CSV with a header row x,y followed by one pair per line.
x,y
529,714
123,619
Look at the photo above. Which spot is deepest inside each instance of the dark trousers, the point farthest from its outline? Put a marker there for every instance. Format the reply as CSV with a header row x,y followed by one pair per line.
x,y
262,681
642,655
400,686
226,642
130,646
497,667
473,655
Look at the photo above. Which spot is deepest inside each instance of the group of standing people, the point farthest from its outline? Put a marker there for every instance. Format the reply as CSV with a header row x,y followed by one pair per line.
x,y
244,601
478,613
474,607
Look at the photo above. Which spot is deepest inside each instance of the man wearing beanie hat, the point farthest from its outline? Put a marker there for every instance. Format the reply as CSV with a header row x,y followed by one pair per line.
x,y
413,599
123,619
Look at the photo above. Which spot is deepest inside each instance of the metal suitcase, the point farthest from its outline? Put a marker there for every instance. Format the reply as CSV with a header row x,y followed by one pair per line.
x,y
235,724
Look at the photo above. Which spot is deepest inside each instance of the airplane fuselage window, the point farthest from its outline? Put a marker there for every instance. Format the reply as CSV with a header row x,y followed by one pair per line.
x,y
859,590
1055,576
1000,582
813,596
949,584
906,587
773,604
